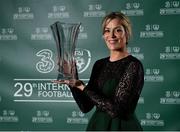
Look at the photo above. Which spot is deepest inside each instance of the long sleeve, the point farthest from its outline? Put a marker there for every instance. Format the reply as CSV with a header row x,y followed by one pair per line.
x,y
84,102
126,94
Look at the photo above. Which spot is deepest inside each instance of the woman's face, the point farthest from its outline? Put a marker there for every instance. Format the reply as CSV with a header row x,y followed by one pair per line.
x,y
115,36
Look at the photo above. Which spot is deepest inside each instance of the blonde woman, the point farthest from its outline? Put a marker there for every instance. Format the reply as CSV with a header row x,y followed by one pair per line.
x,y
115,83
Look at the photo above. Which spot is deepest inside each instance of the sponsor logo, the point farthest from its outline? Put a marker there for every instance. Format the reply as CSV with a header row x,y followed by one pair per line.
x,y
83,59
41,33
9,116
77,117
42,116
94,10
152,31
46,63
152,119
136,51
82,34
170,53
8,34
171,97
153,75
133,9
23,13
58,12
170,8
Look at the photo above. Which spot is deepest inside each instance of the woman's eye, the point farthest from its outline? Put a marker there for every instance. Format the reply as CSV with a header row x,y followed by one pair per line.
x,y
106,31
118,30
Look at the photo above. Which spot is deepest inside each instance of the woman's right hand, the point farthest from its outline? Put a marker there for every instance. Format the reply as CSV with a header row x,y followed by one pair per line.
x,y
72,83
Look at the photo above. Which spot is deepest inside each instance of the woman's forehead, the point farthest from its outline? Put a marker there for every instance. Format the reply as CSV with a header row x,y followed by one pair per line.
x,y
114,23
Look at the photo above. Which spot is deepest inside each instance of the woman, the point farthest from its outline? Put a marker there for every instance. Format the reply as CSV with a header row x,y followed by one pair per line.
x,y
115,83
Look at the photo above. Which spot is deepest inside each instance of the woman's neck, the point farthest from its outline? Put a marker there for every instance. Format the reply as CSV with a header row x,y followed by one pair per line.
x,y
117,55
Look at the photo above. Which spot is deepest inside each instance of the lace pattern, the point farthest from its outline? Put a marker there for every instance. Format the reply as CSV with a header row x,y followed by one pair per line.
x,y
130,77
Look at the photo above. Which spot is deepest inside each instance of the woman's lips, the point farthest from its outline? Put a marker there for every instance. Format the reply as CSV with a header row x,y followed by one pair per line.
x,y
112,41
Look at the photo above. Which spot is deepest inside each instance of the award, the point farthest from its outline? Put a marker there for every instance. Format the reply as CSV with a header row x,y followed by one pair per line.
x,y
65,35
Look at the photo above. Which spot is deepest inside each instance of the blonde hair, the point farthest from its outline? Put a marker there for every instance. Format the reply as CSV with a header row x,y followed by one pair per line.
x,y
124,20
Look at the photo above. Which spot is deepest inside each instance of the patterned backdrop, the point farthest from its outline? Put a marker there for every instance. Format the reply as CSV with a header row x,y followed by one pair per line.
x,y
28,61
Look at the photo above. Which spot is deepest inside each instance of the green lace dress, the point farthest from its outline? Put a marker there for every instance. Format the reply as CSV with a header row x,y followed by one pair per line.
x,y
114,88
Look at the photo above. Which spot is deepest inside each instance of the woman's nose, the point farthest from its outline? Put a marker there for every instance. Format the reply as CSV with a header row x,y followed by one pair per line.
x,y
112,34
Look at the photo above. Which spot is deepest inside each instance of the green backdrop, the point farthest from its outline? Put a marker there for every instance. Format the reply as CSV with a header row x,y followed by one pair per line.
x,y
30,101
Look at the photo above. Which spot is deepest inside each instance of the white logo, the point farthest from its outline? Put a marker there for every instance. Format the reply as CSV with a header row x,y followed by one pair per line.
x,y
83,59
156,116
46,64
136,5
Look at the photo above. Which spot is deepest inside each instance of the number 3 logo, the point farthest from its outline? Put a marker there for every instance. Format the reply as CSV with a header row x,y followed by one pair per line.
x,y
46,64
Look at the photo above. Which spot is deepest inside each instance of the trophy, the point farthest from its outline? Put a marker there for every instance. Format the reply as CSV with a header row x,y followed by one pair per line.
x,y
65,35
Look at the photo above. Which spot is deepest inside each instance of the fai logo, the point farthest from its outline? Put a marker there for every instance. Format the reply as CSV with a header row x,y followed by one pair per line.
x,y
83,59
46,64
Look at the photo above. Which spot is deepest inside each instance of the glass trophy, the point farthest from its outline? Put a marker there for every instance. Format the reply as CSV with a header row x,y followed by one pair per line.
x,y
65,36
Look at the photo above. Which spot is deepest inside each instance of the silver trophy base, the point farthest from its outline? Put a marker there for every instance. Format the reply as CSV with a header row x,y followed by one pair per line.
x,y
63,77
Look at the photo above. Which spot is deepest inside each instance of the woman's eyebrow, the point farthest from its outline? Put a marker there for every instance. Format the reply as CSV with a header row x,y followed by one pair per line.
x,y
120,26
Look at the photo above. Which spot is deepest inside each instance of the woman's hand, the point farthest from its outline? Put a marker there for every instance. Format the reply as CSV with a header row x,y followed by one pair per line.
x,y
72,83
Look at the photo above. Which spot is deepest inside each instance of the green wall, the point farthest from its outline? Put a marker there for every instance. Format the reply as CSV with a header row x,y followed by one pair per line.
x,y
30,101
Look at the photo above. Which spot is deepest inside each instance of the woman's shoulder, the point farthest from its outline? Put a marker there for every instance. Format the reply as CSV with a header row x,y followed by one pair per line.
x,y
100,62
133,61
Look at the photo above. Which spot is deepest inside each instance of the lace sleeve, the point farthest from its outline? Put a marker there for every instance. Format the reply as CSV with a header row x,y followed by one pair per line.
x,y
84,102
126,95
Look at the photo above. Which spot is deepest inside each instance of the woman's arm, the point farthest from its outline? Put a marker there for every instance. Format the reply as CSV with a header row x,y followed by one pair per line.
x,y
83,100
126,95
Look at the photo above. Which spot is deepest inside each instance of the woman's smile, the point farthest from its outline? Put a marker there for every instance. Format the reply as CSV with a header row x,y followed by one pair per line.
x,y
112,41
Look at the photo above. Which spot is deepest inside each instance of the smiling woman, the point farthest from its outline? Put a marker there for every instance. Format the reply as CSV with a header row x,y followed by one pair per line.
x,y
116,81
114,36
124,22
